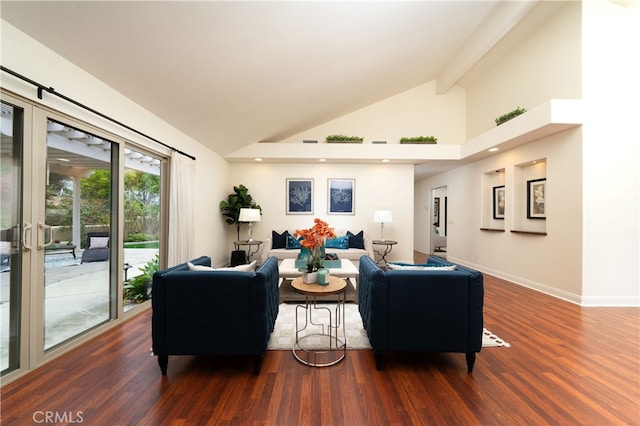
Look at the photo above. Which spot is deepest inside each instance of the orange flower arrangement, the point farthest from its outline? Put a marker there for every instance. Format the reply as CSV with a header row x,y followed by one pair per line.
x,y
313,239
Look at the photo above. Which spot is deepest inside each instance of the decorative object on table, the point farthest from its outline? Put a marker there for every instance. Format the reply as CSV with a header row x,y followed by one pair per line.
x,y
419,140
250,216
498,202
382,216
341,196
299,196
344,139
508,116
323,276
536,193
230,207
313,240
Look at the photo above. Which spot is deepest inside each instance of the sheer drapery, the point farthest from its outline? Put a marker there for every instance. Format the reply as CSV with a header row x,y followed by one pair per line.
x,y
181,208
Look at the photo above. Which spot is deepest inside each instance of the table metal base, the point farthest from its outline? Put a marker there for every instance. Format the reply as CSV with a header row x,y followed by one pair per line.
x,y
326,347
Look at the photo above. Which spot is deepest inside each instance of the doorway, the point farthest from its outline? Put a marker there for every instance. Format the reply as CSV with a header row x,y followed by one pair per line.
x,y
438,229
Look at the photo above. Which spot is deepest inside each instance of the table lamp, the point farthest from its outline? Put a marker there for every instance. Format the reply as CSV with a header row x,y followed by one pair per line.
x,y
249,215
382,216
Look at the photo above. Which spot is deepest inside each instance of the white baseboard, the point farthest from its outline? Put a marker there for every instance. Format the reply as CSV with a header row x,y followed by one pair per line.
x,y
551,291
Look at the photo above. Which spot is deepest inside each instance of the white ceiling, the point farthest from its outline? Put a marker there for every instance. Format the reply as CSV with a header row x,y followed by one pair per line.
x,y
232,73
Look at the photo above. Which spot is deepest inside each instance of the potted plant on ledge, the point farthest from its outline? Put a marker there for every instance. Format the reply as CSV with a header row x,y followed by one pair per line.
x,y
508,116
344,139
419,140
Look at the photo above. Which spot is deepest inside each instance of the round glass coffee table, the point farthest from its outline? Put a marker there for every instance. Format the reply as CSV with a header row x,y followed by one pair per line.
x,y
320,337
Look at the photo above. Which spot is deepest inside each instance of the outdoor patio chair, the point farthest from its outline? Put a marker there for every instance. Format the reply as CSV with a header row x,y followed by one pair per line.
x,y
97,247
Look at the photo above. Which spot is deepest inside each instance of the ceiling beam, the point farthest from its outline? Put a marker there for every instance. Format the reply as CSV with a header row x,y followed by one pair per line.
x,y
503,18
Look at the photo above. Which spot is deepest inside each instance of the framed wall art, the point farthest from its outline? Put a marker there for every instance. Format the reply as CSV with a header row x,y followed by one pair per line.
x,y
299,196
341,196
436,211
536,194
498,202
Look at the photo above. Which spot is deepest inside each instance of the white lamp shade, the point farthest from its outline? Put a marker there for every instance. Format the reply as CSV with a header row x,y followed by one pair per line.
x,y
249,215
382,216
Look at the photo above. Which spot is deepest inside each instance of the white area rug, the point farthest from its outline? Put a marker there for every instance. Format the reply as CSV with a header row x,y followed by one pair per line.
x,y
283,335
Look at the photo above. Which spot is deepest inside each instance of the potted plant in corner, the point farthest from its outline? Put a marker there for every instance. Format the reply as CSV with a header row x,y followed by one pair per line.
x,y
420,140
230,207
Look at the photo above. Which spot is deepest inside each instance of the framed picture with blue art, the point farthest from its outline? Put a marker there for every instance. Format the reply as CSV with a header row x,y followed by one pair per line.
x,y
299,196
341,196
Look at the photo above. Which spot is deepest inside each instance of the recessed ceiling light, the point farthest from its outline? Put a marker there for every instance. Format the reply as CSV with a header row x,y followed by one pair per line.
x,y
63,159
386,160
322,159
493,149
258,159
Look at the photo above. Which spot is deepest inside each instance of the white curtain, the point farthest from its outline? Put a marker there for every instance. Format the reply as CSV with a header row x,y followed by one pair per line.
x,y
181,207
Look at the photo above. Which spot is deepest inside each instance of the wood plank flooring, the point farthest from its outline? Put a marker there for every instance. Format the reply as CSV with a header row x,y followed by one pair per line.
x,y
567,365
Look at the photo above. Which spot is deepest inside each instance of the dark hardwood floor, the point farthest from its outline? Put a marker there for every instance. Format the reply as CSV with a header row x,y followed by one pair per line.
x,y
567,365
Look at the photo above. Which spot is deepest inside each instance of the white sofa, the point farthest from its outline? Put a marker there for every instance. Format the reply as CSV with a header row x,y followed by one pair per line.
x,y
353,254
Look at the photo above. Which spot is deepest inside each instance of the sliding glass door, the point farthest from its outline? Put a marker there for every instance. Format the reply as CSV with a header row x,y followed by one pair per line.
x,y
80,226
11,160
79,206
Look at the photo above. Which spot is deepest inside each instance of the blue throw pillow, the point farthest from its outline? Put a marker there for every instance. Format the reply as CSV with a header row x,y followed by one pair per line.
x,y
279,240
356,240
292,242
338,243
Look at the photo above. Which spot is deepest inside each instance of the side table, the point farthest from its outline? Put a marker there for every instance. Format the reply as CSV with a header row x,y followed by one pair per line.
x,y
388,247
324,347
250,244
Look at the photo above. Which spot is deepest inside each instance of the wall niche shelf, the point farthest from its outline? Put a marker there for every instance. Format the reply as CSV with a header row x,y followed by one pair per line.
x,y
515,231
492,230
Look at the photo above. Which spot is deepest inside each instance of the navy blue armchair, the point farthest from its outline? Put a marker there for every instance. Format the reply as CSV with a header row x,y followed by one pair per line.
x,y
421,310
214,312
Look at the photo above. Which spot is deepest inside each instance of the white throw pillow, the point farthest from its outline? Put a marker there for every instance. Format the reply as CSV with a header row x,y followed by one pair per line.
x,y
193,267
98,242
420,267
246,268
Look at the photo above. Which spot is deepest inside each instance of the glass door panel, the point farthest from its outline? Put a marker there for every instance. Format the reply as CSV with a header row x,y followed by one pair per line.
x,y
77,233
142,224
11,158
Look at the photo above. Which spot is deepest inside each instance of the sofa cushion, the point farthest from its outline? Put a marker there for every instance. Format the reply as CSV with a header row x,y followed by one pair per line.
x,y
420,267
338,242
356,240
279,240
292,242
250,267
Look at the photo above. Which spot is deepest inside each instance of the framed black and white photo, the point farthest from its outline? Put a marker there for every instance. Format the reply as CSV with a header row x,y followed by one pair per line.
x,y
341,196
299,196
536,194
498,202
436,211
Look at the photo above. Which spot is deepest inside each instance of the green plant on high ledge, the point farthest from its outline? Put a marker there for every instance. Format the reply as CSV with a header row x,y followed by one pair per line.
x,y
344,139
508,116
230,207
138,289
420,139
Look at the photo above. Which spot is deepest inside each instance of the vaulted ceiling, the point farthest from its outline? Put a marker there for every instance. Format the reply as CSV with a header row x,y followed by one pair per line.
x,y
232,73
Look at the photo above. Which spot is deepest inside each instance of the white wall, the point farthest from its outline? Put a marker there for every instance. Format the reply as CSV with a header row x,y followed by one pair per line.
x,y
611,152
582,51
550,263
26,56
415,112
535,63
381,186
